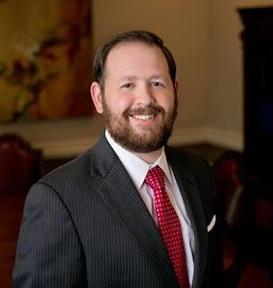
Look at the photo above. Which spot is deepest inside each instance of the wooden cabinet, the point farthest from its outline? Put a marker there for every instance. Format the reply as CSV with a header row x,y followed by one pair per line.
x,y
258,96
257,38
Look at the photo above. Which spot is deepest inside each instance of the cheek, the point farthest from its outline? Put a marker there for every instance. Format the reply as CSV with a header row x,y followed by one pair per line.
x,y
118,103
166,101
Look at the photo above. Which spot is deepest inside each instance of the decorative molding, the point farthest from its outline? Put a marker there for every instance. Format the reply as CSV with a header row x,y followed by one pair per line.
x,y
72,147
59,139
65,148
185,136
219,137
63,140
225,138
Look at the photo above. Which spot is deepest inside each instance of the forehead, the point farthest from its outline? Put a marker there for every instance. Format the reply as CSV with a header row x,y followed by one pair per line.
x,y
135,57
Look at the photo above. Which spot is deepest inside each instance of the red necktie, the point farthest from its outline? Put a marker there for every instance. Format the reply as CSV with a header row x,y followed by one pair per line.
x,y
168,224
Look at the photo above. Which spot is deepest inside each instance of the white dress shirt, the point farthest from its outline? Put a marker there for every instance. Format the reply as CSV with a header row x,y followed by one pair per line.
x,y
138,169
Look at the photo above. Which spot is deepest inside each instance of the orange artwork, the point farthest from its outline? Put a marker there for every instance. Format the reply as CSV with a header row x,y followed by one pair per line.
x,y
54,82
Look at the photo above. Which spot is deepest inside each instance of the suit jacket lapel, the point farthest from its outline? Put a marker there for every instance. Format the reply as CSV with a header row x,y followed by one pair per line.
x,y
121,196
188,188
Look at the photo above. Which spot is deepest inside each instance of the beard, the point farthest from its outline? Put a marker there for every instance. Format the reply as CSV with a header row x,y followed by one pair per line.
x,y
140,140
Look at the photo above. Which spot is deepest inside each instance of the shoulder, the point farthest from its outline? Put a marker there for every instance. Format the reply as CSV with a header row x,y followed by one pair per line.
x,y
84,174
196,170
64,181
191,163
88,164
193,168
76,167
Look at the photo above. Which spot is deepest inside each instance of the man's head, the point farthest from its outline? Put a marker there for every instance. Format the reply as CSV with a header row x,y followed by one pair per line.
x,y
140,36
136,91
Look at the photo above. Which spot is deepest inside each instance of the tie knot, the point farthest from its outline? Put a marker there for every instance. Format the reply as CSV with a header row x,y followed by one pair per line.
x,y
155,177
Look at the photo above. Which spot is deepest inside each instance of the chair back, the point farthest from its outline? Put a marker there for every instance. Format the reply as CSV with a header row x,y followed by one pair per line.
x,y
20,165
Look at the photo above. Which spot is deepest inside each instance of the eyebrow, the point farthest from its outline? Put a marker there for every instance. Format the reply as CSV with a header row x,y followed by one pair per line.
x,y
127,78
157,77
132,78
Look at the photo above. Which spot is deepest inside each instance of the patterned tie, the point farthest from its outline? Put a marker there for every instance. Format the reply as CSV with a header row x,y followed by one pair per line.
x,y
168,224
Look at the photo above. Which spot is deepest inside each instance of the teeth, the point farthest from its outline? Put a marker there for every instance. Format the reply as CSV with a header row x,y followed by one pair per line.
x,y
143,117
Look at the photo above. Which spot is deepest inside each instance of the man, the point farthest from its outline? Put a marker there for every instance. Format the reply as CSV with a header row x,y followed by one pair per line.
x,y
131,211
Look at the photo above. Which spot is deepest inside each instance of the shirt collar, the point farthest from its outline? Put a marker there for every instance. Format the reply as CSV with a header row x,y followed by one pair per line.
x,y
135,166
163,164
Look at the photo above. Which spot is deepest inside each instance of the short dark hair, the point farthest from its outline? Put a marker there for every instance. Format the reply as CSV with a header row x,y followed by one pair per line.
x,y
141,36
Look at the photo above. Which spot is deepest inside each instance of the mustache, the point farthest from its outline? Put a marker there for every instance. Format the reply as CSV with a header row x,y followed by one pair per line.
x,y
150,109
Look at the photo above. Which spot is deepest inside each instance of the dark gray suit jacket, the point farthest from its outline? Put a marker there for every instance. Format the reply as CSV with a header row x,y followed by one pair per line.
x,y
85,225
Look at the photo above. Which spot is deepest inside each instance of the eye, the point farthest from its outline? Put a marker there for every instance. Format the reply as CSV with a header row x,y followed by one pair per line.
x,y
157,84
127,85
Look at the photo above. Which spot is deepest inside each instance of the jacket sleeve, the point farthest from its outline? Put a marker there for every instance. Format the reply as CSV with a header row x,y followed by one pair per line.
x,y
49,253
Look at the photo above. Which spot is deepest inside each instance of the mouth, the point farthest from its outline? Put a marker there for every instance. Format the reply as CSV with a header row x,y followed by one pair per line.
x,y
144,114
143,117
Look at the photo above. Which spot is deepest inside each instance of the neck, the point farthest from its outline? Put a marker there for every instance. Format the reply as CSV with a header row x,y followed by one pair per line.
x,y
150,157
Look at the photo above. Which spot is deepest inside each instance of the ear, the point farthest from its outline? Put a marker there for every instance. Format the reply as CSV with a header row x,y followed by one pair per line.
x,y
96,95
176,87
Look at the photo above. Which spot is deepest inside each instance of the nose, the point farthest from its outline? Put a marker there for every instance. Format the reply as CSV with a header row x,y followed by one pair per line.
x,y
145,95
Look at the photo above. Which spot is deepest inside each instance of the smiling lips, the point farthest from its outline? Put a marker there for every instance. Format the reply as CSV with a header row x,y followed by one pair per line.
x,y
144,114
143,117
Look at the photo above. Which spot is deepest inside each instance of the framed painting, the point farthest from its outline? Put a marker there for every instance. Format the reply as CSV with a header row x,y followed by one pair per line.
x,y
45,57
